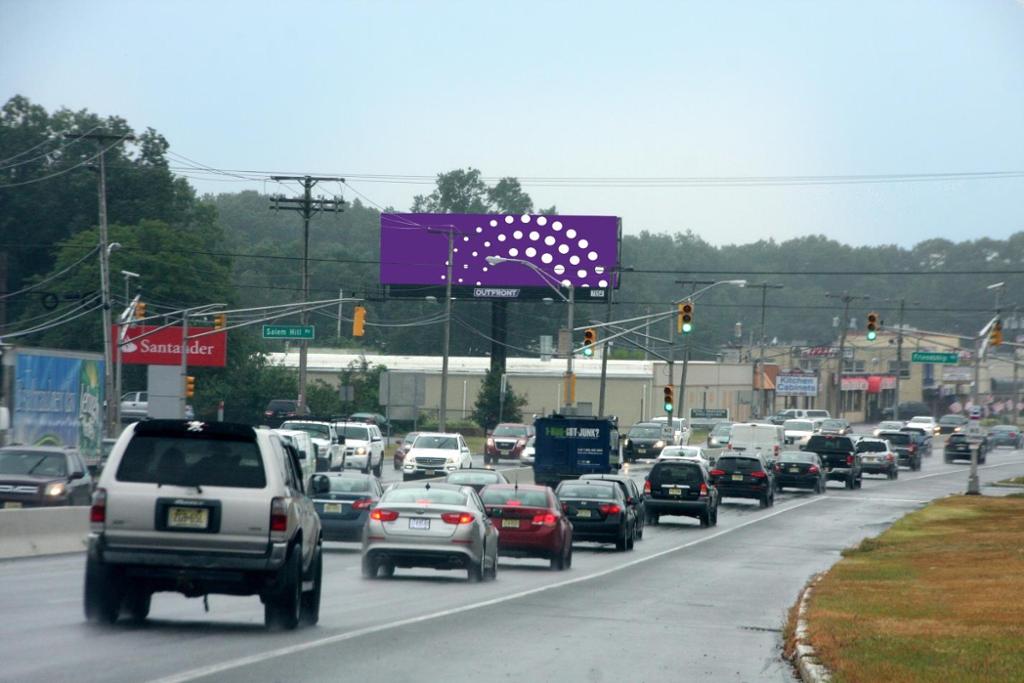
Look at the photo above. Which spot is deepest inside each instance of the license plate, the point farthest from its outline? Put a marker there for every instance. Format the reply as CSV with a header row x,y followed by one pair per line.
x,y
583,513
641,450
415,523
737,477
12,505
430,473
188,518
510,524
675,492
332,507
794,470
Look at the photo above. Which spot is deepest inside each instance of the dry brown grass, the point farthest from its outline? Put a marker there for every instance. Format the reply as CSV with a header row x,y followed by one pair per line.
x,y
938,597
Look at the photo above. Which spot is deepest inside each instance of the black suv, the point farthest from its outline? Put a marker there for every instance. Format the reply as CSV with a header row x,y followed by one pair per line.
x,y
908,447
958,447
680,487
634,498
839,456
744,476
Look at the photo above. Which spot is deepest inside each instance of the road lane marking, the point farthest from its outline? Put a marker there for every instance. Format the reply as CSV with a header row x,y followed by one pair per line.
x,y
212,669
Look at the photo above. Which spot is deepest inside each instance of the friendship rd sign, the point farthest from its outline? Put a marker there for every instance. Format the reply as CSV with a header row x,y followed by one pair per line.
x,y
164,347
935,357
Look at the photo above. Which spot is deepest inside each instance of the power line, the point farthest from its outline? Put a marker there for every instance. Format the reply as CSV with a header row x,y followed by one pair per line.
x,y
4,162
92,251
70,168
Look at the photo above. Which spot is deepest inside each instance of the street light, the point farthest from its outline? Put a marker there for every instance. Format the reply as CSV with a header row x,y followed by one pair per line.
x,y
556,285
973,485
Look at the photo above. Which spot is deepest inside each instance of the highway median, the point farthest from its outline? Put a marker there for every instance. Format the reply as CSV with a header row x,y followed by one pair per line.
x,y
937,597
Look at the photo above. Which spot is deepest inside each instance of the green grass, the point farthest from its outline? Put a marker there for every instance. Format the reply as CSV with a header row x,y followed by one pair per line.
x,y
938,597
1015,481
698,437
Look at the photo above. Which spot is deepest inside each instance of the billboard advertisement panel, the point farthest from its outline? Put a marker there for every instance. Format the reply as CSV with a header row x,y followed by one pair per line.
x,y
579,250
58,401
164,347
796,385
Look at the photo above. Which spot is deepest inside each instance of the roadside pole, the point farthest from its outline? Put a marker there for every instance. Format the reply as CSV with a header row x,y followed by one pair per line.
x,y
899,359
605,349
183,403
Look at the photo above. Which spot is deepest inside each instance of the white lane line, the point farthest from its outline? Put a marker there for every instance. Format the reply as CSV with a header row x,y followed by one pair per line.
x,y
349,635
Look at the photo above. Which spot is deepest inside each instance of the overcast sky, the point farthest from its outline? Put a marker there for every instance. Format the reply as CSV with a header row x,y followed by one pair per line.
x,y
571,90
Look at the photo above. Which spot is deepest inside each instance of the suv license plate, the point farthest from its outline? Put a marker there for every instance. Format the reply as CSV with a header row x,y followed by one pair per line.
x,y
419,523
737,477
675,492
583,513
510,524
12,505
188,518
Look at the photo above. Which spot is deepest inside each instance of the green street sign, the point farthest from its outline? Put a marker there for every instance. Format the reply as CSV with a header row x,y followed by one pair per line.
x,y
933,357
289,331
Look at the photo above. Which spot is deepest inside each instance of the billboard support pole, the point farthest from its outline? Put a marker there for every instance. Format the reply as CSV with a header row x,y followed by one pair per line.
x,y
443,414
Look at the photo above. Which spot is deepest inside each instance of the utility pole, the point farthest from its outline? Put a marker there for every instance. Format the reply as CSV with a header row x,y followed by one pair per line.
x,y
341,295
680,400
1016,367
844,323
308,207
109,139
899,360
604,358
759,371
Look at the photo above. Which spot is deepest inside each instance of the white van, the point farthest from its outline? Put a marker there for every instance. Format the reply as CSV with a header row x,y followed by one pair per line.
x,y
755,437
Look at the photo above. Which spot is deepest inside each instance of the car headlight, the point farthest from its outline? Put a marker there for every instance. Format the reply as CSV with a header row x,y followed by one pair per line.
x,y
361,450
659,444
625,443
56,489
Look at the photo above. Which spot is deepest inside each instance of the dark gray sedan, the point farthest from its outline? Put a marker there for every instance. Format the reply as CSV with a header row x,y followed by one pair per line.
x,y
1005,435
343,509
800,470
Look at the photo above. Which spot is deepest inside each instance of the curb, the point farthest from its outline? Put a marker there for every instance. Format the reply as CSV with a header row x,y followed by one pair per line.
x,y
804,656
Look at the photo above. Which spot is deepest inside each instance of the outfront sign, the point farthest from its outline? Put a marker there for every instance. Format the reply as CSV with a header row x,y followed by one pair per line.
x,y
164,347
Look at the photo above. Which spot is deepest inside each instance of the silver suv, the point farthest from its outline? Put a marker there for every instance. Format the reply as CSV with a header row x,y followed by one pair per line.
x,y
198,508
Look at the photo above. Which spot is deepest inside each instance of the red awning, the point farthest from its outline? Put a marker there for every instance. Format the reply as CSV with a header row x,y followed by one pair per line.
x,y
874,384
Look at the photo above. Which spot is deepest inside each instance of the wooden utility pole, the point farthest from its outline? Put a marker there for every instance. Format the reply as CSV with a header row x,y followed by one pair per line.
x,y
759,374
308,207
844,326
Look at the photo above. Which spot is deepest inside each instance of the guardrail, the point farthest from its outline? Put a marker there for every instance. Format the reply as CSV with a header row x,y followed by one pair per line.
x,y
29,532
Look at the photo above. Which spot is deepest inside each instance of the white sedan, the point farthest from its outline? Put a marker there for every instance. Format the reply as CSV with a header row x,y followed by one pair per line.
x,y
435,455
684,453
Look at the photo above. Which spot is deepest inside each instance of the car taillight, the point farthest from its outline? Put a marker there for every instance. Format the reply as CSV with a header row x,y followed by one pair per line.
x,y
490,442
913,448
384,515
546,519
647,486
98,511
813,469
728,446
775,451
269,413
778,467
888,456
849,460
565,507
703,489
717,473
362,503
455,517
278,515
610,509
760,474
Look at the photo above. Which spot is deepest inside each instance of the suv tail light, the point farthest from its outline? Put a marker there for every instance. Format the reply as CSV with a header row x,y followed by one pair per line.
x,y
268,413
278,515
703,489
98,510
546,519
775,451
849,460
913,448
610,509
888,456
362,503
384,515
813,469
455,517
759,474
647,485
717,473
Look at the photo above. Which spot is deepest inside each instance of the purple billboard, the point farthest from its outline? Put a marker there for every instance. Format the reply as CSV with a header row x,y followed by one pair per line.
x,y
578,250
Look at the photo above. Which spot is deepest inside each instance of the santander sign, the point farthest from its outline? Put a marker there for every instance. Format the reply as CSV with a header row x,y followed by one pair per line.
x,y
164,347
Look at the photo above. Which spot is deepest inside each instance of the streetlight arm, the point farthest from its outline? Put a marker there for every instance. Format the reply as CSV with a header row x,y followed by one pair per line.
x,y
694,295
550,280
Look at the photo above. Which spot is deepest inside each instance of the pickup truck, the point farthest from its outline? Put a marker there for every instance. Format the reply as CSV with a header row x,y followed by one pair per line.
x,y
839,457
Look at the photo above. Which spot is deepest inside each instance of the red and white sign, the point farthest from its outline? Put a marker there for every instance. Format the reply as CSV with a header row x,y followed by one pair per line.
x,y
164,347
855,384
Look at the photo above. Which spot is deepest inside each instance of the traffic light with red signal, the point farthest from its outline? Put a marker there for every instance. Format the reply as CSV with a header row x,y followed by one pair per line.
x,y
359,321
995,335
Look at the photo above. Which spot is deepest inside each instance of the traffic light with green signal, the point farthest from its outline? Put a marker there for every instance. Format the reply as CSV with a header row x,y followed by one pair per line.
x,y
670,397
589,339
685,321
872,326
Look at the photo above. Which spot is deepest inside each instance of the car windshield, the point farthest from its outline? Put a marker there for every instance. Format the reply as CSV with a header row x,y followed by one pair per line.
x,y
721,429
890,425
157,459
29,463
952,420
510,430
586,491
448,443
282,404
833,424
921,420
797,425
730,464
410,438
647,432
425,496
513,497
349,484
796,456
871,447
321,431
676,473
471,478
356,432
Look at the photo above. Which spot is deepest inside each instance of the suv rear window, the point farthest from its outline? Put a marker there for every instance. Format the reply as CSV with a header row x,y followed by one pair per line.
x,y
349,484
191,461
898,438
676,473
730,465
281,404
870,447
826,443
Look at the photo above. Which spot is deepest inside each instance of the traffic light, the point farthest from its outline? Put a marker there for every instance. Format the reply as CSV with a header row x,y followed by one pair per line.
x,y
995,336
670,397
872,326
589,339
140,310
219,321
190,386
358,321
685,322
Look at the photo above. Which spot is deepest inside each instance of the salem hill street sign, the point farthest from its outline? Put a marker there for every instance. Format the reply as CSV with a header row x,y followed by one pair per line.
x,y
289,331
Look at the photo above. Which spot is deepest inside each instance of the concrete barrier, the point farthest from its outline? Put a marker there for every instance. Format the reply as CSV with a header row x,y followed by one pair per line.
x,y
43,531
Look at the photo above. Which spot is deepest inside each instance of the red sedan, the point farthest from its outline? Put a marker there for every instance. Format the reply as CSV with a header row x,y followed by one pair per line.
x,y
530,523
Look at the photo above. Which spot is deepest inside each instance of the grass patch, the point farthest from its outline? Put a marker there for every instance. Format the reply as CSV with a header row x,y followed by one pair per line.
x,y
938,597
698,437
1015,481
